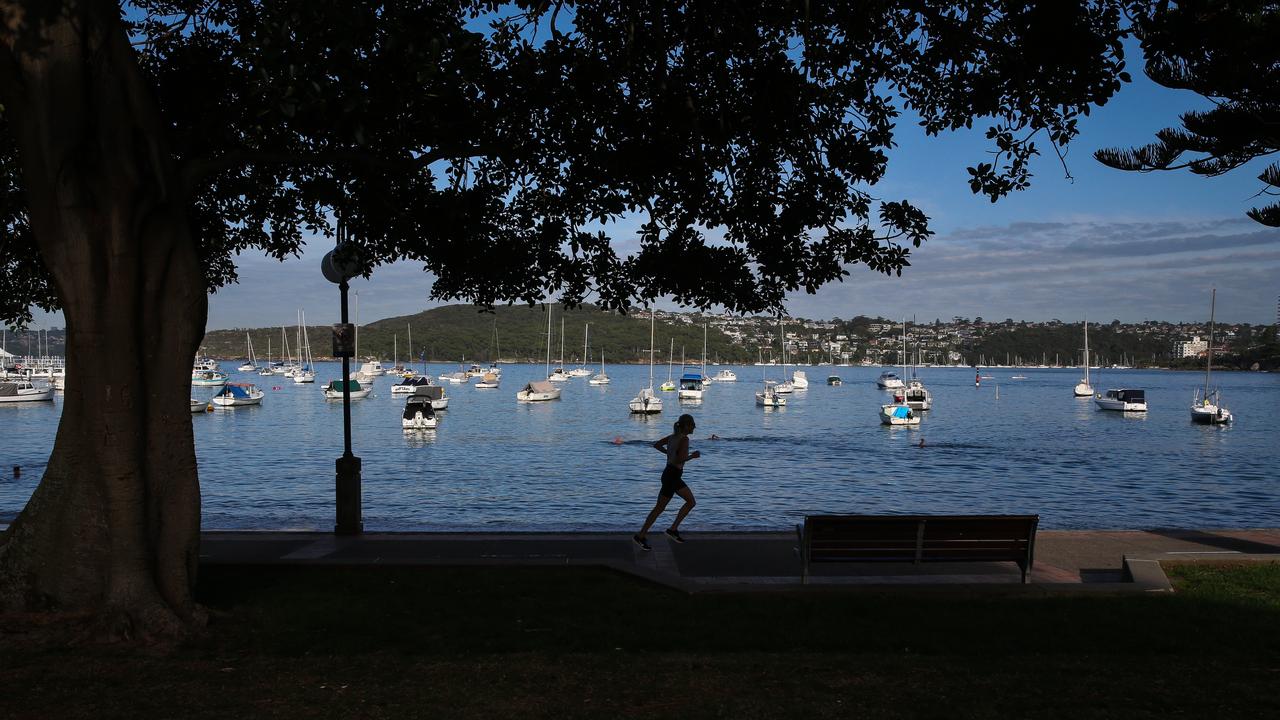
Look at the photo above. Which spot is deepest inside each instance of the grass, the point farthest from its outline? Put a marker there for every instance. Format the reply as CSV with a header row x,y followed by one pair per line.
x,y
565,643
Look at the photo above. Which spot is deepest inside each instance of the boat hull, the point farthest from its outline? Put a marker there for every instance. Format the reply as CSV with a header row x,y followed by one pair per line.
x,y
1119,405
525,396
355,394
420,422
1210,415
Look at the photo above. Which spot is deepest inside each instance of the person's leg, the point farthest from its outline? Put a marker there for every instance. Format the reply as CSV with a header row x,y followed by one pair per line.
x,y
658,507
689,503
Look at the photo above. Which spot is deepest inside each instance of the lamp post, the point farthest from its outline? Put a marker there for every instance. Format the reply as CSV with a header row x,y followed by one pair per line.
x,y
338,266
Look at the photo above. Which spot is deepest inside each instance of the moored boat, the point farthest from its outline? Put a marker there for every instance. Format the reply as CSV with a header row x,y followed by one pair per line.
x,y
1208,409
333,391
769,397
898,412
418,413
538,391
24,391
237,395
1122,400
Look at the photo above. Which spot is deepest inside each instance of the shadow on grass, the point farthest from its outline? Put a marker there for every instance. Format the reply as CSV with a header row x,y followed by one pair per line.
x,y
431,611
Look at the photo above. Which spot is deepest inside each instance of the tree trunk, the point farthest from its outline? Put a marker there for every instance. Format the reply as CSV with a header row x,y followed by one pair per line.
x,y
113,528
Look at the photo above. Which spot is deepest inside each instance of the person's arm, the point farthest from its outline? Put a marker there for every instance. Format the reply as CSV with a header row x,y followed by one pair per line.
x,y
682,453
661,445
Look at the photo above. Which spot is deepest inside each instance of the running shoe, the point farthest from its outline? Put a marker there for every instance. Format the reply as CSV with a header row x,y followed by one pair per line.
x,y
644,544
671,533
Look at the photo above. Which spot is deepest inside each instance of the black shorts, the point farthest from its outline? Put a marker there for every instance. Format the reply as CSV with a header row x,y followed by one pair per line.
x,y
672,481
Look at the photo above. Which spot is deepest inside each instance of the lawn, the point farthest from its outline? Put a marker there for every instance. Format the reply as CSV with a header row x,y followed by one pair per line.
x,y
393,642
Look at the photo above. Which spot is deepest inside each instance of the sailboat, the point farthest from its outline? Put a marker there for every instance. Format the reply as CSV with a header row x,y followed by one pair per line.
x,y
768,397
557,375
669,385
541,390
647,402
600,378
581,370
267,370
1208,409
407,371
250,365
307,372
916,394
786,386
899,412
286,367
1083,388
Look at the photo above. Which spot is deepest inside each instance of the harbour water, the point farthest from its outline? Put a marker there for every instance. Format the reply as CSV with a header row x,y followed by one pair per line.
x,y
584,463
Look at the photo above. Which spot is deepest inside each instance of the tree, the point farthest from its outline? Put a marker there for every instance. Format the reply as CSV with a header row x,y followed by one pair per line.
x,y
1226,52
497,144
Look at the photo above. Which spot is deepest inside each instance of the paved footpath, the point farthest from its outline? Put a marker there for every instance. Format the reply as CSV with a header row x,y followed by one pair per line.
x,y
1065,561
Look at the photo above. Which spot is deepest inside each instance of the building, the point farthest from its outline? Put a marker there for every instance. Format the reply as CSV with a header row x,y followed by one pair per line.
x,y
1190,348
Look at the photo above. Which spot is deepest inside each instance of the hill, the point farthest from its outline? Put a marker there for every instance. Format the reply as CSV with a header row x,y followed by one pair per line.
x,y
454,332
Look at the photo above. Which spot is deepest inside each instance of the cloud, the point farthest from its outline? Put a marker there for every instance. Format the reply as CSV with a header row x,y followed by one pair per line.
x,y
1129,271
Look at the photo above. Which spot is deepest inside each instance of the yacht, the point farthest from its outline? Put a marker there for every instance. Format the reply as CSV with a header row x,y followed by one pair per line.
x,y
690,385
769,397
409,385
1208,409
333,391
249,365
541,390
917,395
889,381
24,391
1083,388
238,394
898,412
799,380
1122,400
646,402
208,378
418,413
726,375
600,378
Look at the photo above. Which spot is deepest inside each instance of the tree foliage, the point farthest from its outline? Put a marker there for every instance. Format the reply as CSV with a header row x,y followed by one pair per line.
x,y
717,152
1229,53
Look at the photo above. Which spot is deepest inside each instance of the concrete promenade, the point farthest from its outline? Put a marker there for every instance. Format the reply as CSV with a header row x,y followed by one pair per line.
x,y
1065,561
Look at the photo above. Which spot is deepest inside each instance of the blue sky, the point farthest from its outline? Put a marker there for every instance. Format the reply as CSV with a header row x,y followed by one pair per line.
x,y
1108,245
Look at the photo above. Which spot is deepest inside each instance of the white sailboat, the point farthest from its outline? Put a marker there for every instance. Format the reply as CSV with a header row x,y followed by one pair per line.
x,y
1083,388
600,378
557,375
541,390
267,370
647,402
915,394
1208,409
768,397
306,372
581,370
899,412
785,387
250,365
669,385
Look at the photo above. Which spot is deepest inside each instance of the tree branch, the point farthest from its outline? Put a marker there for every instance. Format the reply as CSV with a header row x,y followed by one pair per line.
x,y
196,170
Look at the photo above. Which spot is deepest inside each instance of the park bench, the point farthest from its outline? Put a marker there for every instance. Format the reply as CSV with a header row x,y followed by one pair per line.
x,y
917,539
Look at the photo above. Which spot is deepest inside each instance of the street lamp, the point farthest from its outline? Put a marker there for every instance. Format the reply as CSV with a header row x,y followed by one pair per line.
x,y
338,266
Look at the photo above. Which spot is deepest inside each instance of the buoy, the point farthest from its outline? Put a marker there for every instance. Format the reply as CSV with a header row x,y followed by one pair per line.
x,y
617,440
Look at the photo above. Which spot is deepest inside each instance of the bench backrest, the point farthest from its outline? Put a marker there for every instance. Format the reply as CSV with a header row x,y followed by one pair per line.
x,y
919,538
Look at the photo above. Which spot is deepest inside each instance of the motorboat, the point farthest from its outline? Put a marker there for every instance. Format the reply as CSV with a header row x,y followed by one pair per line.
x,y
473,370
690,386
668,386
1207,409
890,381
917,395
799,380
205,363
198,406
1122,400
898,412
439,401
24,391
208,378
538,391
726,375
408,385
418,413
369,370
834,380
457,378
489,381
769,396
237,395
333,391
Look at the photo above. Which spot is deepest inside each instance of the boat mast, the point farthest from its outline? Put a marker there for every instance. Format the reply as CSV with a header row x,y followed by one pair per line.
x,y
585,328
1208,366
1086,351
410,329
549,311
650,352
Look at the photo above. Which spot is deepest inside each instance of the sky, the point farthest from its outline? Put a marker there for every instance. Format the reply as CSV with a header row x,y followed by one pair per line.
x,y
1105,245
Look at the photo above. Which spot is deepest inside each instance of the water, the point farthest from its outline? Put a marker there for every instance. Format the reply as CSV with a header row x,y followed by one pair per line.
x,y
497,465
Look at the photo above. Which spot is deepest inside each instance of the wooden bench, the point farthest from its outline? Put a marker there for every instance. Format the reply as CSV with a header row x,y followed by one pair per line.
x,y
918,539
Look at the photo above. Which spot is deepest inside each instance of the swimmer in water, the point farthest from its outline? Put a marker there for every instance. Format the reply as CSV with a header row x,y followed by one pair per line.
x,y
921,443
617,440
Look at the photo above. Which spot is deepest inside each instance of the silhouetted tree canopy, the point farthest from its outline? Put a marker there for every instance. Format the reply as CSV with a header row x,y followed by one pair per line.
x,y
1228,52
501,144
